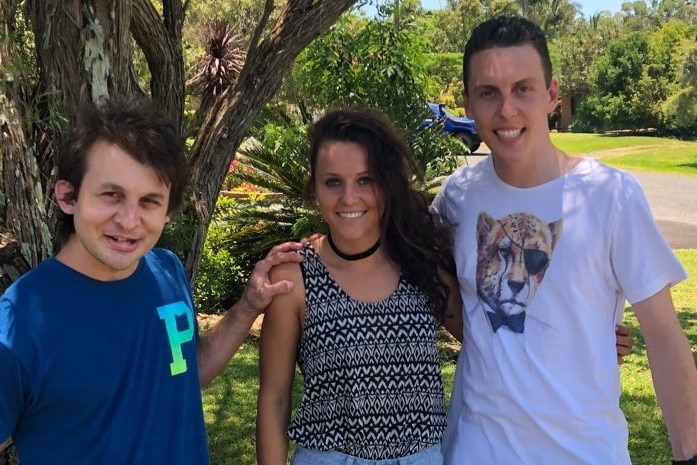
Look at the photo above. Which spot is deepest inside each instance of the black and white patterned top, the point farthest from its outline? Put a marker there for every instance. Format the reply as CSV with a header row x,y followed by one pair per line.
x,y
372,382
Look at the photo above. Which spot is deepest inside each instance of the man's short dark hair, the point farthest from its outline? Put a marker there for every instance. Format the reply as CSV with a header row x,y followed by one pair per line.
x,y
507,31
140,129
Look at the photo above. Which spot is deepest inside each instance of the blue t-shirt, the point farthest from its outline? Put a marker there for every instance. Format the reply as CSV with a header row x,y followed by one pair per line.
x,y
95,372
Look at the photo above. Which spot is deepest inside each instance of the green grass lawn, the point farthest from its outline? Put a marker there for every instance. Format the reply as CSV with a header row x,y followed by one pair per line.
x,y
635,153
230,401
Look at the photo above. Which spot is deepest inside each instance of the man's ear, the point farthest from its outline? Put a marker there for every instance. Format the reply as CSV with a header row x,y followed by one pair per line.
x,y
466,103
65,196
553,94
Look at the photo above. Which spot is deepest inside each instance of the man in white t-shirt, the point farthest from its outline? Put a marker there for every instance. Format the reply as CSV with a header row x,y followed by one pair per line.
x,y
548,247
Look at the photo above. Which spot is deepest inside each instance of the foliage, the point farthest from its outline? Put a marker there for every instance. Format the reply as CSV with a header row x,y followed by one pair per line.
x,y
221,65
242,15
278,165
379,65
618,101
632,82
680,107
574,55
446,70
220,279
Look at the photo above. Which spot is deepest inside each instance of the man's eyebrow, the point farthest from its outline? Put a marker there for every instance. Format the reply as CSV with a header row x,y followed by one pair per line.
x,y
154,196
526,80
110,186
115,187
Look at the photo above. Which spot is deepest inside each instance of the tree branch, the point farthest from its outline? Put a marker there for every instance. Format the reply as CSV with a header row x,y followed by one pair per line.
x,y
233,113
161,44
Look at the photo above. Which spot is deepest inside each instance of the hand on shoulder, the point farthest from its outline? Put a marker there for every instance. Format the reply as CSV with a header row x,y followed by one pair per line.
x,y
261,289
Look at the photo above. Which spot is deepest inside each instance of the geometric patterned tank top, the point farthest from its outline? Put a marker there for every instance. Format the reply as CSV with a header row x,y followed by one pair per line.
x,y
372,382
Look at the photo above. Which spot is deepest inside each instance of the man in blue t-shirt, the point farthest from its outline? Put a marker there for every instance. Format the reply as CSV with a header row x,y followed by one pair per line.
x,y
100,357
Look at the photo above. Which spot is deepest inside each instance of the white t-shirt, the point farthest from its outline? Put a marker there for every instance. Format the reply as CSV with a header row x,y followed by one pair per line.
x,y
544,273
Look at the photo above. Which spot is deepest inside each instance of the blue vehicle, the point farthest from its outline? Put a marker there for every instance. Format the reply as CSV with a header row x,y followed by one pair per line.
x,y
460,127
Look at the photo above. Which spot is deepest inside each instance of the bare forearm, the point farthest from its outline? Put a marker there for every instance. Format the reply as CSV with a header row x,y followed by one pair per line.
x,y
272,443
217,346
4,444
675,381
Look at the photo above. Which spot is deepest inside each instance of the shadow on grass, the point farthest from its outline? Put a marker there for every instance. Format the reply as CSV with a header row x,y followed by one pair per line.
x,y
688,165
230,407
230,410
648,438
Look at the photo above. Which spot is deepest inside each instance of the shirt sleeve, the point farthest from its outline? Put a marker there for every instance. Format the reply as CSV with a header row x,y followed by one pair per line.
x,y
642,260
11,392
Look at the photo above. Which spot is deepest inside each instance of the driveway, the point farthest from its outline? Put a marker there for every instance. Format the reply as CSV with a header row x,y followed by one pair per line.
x,y
672,198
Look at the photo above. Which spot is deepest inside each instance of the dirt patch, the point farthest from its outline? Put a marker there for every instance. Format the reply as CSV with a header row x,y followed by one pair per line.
x,y
206,322
618,151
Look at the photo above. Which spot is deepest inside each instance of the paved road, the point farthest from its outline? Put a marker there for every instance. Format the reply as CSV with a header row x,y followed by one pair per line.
x,y
672,198
673,201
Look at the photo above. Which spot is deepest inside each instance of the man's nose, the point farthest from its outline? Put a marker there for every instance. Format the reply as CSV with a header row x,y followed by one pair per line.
x,y
508,107
127,215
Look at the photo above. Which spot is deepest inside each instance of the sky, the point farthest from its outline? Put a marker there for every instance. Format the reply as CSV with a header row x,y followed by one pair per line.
x,y
588,7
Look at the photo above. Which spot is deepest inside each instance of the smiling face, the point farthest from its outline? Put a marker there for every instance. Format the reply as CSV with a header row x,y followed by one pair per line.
x,y
119,214
348,197
509,100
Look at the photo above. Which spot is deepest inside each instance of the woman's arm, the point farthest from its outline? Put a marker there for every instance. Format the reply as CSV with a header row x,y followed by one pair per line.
x,y
280,335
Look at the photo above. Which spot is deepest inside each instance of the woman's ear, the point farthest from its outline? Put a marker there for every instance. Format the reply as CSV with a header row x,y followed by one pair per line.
x,y
65,196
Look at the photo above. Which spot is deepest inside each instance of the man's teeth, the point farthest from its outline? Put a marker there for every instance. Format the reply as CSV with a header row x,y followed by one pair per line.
x,y
123,239
508,133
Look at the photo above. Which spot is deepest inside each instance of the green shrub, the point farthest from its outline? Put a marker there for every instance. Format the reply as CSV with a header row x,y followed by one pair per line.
x,y
220,279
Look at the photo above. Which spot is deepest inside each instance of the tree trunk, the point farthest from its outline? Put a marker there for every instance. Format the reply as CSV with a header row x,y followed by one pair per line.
x,y
24,235
227,122
82,49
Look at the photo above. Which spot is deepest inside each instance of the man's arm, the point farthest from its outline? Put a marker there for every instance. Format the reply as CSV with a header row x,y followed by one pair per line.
x,y
4,444
673,370
623,342
453,314
217,346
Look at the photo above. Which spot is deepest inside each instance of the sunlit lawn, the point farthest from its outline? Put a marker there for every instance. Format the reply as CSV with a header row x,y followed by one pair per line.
x,y
576,144
635,153
230,402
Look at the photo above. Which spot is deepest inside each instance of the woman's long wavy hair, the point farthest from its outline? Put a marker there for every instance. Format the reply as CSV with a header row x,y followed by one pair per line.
x,y
414,238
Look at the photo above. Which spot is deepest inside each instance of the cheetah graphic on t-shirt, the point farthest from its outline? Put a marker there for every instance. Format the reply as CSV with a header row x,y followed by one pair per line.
x,y
513,254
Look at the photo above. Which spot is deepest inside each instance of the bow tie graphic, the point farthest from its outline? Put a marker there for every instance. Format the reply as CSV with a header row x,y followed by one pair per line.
x,y
515,323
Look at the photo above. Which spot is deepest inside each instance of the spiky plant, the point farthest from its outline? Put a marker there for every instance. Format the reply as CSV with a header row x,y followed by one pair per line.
x,y
222,64
278,166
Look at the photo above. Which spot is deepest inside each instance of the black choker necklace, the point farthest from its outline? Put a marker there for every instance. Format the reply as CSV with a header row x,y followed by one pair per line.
x,y
354,256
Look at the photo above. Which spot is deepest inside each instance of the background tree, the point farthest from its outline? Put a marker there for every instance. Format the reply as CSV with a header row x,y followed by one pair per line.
x,y
680,107
616,102
83,53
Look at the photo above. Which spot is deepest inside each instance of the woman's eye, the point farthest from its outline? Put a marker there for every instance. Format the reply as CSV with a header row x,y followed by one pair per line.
x,y
365,180
331,182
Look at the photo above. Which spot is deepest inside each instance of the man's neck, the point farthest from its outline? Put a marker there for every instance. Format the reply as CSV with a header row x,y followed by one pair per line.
x,y
543,168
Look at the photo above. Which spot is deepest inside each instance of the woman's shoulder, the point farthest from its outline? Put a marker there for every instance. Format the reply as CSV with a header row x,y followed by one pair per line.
x,y
285,271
